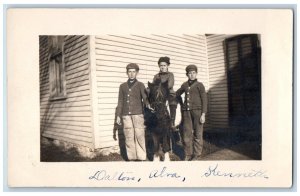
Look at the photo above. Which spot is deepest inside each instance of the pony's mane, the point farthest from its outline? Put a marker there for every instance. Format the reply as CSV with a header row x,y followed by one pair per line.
x,y
158,92
158,97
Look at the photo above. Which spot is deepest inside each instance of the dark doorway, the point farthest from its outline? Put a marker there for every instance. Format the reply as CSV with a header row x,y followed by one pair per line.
x,y
243,56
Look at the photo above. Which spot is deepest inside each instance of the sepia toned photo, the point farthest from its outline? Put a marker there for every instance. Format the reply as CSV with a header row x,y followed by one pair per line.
x,y
93,108
150,98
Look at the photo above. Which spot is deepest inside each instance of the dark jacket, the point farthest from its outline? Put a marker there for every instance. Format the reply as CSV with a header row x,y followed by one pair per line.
x,y
163,77
195,96
131,100
168,76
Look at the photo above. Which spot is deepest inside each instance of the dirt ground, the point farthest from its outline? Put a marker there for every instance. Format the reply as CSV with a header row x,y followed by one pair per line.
x,y
216,147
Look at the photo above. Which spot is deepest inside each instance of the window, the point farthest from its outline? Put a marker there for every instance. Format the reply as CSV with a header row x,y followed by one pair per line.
x,y
57,79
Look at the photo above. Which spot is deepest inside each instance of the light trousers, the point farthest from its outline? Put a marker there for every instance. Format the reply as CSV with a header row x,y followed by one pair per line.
x,y
134,131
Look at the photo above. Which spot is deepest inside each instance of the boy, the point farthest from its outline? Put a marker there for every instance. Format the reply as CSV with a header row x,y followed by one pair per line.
x,y
132,96
163,76
193,114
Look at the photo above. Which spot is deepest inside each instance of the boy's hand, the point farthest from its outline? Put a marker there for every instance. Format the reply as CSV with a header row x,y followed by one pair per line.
x,y
202,118
115,137
147,91
118,120
149,107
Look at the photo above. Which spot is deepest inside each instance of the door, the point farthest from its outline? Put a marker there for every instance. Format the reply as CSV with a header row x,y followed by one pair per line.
x,y
244,87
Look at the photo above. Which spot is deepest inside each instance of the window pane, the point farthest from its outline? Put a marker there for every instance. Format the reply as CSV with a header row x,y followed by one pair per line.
x,y
52,78
57,78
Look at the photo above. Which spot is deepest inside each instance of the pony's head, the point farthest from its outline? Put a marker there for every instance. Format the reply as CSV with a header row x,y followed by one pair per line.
x,y
159,92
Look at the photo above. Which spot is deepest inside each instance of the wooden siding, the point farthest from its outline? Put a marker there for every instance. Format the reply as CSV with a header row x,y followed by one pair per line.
x,y
114,52
68,119
218,92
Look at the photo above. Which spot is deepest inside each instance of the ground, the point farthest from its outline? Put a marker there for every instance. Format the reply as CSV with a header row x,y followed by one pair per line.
x,y
217,146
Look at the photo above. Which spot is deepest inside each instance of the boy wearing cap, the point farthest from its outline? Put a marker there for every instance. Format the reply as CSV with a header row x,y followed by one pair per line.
x,y
163,76
132,98
193,113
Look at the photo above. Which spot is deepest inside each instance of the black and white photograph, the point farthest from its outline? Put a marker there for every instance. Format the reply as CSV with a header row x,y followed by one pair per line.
x,y
150,98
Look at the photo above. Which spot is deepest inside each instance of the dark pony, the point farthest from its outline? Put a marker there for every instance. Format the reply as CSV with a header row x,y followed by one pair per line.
x,y
158,121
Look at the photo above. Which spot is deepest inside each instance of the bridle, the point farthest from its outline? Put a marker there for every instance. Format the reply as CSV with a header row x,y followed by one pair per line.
x,y
160,101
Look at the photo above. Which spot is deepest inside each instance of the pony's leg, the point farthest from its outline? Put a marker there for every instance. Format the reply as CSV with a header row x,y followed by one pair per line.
x,y
156,158
167,157
155,147
166,146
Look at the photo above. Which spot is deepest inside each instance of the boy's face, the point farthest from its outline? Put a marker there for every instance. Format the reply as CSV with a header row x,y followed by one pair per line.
x,y
192,75
132,73
163,66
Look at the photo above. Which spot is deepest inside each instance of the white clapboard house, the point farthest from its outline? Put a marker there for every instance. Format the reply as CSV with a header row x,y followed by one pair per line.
x,y
80,77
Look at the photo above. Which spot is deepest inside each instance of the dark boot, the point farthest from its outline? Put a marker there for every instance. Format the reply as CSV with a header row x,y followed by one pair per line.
x,y
173,115
177,138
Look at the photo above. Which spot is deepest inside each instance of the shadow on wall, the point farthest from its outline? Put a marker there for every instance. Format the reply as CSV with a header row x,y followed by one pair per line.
x,y
118,134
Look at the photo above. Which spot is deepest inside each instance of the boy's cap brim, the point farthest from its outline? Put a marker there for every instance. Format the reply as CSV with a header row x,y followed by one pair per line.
x,y
191,68
132,66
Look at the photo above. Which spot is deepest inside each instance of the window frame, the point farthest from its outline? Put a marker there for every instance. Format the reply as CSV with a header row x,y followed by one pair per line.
x,y
56,50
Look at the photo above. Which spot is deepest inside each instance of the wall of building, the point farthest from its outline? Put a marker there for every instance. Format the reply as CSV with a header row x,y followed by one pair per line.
x,y
67,119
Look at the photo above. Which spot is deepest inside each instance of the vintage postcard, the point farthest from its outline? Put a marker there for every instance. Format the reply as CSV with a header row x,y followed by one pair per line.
x,y
150,97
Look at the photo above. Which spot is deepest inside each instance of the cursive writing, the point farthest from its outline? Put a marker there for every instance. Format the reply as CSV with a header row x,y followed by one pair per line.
x,y
119,176
163,173
214,171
